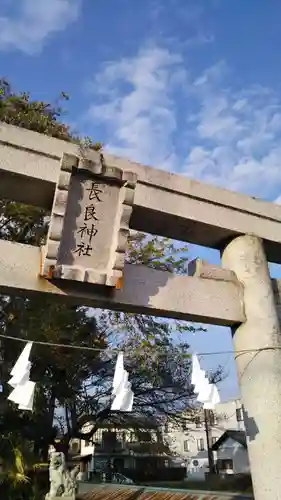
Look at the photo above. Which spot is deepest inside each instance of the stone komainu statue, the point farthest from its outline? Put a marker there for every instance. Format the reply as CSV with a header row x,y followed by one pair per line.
x,y
62,482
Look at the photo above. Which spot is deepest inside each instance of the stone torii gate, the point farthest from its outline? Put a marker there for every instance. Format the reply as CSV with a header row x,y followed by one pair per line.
x,y
93,200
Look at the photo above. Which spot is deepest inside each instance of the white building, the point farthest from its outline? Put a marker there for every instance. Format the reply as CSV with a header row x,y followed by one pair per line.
x,y
127,444
191,444
232,454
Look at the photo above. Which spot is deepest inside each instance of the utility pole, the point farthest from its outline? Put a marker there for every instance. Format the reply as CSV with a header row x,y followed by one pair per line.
x,y
208,417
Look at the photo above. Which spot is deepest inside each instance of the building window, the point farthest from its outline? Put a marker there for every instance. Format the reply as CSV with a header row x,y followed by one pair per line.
x,y
89,442
239,415
212,419
184,426
98,436
225,464
75,447
132,437
200,444
198,422
186,446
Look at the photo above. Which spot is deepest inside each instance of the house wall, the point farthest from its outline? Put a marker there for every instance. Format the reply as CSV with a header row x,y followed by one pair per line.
x,y
234,451
87,448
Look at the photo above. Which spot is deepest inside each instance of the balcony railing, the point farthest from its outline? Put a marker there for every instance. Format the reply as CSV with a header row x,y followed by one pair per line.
x,y
132,447
110,447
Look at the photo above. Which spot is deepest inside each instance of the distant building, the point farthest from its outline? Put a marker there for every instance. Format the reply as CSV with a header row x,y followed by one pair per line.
x,y
232,454
191,443
130,445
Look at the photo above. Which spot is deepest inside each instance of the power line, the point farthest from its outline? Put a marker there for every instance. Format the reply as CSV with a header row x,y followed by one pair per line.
x,y
114,350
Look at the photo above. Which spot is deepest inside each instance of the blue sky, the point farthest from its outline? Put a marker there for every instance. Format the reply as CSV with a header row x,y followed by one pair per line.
x,y
188,86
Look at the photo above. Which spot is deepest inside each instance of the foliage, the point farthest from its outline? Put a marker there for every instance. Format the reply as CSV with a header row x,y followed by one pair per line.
x,y
16,458
18,109
13,466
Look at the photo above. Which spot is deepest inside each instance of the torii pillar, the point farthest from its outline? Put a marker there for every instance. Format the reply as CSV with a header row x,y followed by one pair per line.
x,y
259,371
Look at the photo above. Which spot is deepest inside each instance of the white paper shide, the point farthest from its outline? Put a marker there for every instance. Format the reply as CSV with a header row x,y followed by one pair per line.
x,y
207,393
23,388
122,392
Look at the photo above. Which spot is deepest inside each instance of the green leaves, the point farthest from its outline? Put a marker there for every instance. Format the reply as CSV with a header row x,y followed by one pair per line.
x,y
12,460
45,118
22,223
159,253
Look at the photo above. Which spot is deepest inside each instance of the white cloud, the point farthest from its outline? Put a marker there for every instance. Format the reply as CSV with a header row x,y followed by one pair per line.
x,y
239,134
34,21
138,104
155,111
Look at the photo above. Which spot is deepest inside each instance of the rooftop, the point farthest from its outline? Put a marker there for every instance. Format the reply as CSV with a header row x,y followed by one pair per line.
x,y
238,436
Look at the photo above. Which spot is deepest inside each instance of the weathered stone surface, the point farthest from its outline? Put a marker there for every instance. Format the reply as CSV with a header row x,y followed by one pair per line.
x,y
89,226
89,223
144,291
63,482
203,269
166,204
259,366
